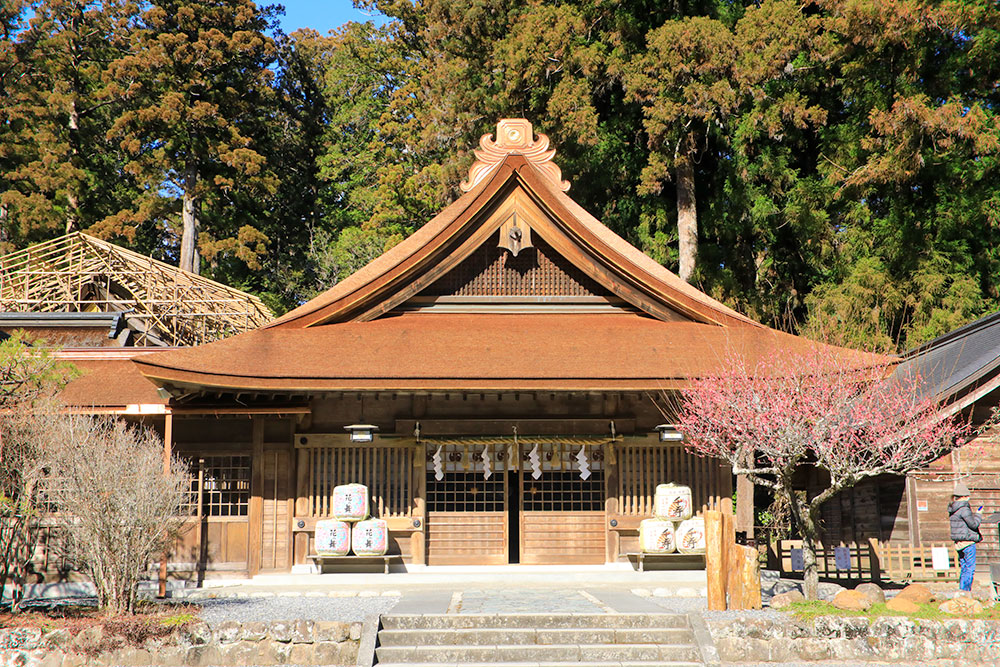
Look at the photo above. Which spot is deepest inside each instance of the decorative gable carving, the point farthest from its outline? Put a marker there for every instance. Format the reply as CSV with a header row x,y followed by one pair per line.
x,y
514,136
515,236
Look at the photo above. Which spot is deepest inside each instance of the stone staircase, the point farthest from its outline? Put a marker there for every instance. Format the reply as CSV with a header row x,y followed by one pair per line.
x,y
555,640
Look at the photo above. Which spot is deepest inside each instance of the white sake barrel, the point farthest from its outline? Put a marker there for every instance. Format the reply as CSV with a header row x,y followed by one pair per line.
x,y
656,536
690,536
350,502
333,538
672,502
370,538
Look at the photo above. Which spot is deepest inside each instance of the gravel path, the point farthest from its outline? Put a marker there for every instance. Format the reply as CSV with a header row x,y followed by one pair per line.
x,y
291,608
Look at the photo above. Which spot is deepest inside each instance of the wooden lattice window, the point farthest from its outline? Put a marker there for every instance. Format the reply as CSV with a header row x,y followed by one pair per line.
x,y
563,491
219,485
466,492
641,467
385,469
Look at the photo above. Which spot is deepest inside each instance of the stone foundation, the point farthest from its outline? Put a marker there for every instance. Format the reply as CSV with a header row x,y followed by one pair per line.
x,y
890,639
226,643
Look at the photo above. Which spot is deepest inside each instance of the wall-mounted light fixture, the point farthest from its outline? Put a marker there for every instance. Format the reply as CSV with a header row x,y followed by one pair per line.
x,y
669,433
361,432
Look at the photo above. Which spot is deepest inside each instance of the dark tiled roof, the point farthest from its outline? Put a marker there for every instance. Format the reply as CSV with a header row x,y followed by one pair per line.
x,y
956,363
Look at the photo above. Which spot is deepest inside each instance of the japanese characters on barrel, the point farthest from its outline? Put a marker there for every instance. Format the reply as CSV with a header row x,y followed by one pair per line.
x,y
350,527
673,529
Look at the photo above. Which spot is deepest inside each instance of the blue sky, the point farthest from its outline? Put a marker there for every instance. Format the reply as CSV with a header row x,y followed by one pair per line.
x,y
320,15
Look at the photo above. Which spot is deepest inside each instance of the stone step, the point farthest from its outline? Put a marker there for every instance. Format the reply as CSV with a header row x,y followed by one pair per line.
x,y
523,636
534,621
574,663
569,653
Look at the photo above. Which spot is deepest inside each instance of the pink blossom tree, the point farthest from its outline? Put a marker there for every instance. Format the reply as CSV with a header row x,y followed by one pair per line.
x,y
844,413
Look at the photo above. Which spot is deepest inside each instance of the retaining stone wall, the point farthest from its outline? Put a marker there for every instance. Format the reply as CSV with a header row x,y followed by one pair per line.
x,y
226,643
890,639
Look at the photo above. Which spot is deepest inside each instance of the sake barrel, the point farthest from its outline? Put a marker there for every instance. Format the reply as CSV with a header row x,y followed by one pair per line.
x,y
350,502
672,502
690,536
656,536
333,538
370,538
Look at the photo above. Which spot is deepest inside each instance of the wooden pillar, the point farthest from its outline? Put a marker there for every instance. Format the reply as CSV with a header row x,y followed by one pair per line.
x,y
302,491
911,509
744,505
256,511
168,437
611,505
418,539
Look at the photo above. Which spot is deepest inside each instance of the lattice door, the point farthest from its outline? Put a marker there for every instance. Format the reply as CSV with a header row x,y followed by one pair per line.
x,y
466,509
562,514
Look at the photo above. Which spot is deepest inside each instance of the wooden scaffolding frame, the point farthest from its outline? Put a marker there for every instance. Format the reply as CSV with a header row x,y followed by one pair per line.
x,y
163,304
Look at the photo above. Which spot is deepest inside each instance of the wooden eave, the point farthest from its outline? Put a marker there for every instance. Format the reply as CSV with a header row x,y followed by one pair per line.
x,y
472,220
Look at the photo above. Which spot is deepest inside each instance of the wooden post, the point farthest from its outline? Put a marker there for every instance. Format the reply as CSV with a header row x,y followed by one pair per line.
x,y
750,581
734,600
168,436
715,560
875,559
744,505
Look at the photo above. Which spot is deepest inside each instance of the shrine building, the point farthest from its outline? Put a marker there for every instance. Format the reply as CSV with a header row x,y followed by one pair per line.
x,y
501,381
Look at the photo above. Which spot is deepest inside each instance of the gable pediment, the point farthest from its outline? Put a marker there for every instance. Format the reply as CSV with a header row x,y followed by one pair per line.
x,y
515,237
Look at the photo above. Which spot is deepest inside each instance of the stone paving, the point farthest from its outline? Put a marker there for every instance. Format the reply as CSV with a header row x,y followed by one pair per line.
x,y
483,601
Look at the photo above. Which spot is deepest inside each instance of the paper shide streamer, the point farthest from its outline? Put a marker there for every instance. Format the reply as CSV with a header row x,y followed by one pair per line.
x,y
536,463
582,463
438,467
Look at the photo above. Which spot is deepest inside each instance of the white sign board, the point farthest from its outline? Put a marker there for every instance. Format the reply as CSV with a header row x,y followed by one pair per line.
x,y
939,558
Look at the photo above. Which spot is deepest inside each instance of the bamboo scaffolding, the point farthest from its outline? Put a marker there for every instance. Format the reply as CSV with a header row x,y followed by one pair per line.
x,y
165,305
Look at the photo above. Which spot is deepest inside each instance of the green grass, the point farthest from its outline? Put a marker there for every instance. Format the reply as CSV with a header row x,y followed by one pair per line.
x,y
177,620
810,609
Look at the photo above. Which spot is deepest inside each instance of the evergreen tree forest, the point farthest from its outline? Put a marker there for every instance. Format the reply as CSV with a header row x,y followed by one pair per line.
x,y
828,167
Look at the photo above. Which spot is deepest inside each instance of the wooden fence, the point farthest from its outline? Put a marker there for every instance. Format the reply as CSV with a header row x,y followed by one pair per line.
x,y
872,560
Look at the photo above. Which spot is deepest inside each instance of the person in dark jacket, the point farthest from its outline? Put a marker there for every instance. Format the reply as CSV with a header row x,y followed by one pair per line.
x,y
965,533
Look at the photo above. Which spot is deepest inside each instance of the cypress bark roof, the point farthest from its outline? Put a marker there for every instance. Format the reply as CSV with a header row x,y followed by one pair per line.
x,y
658,332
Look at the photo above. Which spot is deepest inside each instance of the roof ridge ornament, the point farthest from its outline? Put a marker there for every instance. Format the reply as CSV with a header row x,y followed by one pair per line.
x,y
514,136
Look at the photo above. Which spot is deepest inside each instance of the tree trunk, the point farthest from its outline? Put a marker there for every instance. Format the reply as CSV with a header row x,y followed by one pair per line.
x,y
189,237
3,226
810,574
687,217
72,196
802,514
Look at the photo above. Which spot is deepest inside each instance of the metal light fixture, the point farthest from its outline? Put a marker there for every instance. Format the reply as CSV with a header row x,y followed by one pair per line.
x,y
669,433
361,432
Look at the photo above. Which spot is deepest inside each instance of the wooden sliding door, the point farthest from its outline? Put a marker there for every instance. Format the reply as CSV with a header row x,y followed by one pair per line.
x,y
466,507
562,513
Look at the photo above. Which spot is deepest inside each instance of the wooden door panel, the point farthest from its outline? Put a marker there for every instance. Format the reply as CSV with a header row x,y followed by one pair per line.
x,y
276,516
562,538
466,538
